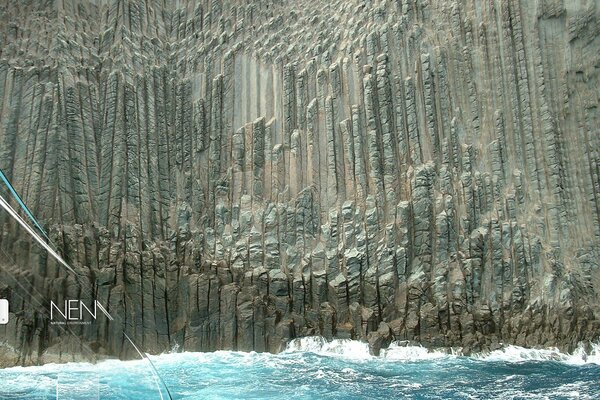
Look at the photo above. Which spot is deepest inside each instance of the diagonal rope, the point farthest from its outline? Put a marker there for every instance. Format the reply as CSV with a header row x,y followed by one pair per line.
x,y
34,297
8,208
31,296
157,376
22,204
4,204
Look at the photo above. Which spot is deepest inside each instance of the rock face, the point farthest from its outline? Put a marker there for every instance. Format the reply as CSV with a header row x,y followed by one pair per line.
x,y
230,175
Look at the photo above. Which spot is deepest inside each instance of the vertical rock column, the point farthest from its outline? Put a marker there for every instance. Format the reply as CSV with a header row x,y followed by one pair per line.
x,y
385,107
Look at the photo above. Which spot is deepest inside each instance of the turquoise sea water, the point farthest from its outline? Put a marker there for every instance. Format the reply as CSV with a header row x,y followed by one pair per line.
x,y
314,369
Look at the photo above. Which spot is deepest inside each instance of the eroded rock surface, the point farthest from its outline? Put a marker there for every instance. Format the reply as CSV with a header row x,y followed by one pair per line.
x,y
230,175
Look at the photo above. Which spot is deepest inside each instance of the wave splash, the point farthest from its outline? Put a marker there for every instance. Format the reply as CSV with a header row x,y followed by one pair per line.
x,y
357,350
345,349
513,353
398,351
312,366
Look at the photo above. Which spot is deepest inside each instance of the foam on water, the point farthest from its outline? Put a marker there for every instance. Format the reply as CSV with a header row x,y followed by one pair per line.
x,y
338,348
357,350
317,368
512,353
398,352
343,348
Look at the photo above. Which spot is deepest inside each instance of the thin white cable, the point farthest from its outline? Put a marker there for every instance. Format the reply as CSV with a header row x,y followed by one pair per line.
x,y
156,376
37,237
45,245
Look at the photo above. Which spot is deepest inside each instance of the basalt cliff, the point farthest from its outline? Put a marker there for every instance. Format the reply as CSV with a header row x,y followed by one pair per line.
x,y
234,174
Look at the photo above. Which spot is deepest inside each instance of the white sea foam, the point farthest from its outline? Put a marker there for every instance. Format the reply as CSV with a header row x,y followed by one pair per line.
x,y
105,366
398,352
338,348
347,364
343,348
512,353
580,356
517,354
357,350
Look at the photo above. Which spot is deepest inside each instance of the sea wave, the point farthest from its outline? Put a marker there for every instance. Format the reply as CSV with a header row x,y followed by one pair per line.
x,y
358,350
353,350
344,348
314,367
399,351
511,353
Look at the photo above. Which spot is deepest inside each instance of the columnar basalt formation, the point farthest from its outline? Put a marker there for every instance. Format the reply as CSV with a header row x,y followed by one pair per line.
x,y
230,175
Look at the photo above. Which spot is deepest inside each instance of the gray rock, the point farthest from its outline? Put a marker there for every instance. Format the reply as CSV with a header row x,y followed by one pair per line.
x,y
233,176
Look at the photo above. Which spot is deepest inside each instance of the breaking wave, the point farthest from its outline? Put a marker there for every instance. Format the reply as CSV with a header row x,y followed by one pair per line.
x,y
398,351
313,367
512,353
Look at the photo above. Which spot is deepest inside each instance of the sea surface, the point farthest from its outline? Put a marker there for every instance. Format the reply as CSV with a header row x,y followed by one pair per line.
x,y
312,368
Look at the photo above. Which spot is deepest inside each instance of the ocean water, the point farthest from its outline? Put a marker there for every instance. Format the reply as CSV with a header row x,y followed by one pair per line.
x,y
312,368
